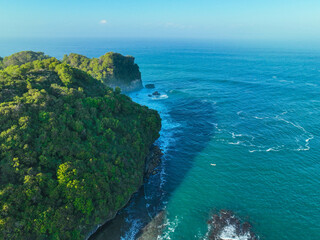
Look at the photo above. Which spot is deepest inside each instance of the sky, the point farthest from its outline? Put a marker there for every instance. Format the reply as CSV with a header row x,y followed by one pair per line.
x,y
189,19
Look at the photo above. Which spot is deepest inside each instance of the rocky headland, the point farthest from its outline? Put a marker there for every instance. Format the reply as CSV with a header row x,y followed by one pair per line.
x,y
113,69
72,149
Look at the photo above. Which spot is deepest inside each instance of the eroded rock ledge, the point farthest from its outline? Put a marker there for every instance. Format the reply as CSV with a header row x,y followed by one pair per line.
x,y
154,228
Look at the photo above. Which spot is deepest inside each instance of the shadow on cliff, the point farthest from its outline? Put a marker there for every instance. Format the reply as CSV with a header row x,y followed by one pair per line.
x,y
195,121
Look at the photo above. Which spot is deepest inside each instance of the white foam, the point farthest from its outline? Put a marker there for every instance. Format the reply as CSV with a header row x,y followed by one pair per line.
x,y
286,81
229,233
134,229
161,97
266,149
171,226
209,101
272,149
312,84
306,146
309,135
302,140
258,117
166,139
234,135
216,126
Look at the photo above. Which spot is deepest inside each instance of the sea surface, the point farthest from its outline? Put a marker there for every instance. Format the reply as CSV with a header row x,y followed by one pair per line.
x,y
241,127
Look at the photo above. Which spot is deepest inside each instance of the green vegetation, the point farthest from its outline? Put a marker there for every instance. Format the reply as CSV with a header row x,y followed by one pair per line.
x,y
22,58
111,68
72,151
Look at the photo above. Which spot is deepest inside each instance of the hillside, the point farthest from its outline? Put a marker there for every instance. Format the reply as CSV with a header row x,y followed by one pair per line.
x,y
72,151
21,58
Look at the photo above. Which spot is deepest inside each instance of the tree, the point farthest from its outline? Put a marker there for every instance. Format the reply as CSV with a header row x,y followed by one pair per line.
x,y
65,138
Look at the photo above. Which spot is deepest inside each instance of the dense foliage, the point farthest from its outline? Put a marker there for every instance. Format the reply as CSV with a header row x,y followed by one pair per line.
x,y
22,58
72,150
111,68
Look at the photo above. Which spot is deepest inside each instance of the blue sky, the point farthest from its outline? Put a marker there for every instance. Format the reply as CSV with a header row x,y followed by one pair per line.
x,y
207,19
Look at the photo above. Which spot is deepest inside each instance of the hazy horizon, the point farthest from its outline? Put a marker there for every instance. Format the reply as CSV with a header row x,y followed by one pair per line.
x,y
228,20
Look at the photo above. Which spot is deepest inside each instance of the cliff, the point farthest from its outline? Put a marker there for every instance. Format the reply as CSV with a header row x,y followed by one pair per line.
x,y
72,150
113,69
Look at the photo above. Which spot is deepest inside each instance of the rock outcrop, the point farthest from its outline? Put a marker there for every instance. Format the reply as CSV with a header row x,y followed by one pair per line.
x,y
226,226
154,228
152,161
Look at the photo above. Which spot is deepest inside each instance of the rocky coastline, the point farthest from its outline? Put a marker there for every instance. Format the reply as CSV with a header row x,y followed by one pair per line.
x,y
152,162
154,228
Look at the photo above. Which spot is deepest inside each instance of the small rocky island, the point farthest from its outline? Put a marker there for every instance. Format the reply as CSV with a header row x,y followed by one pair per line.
x,y
72,149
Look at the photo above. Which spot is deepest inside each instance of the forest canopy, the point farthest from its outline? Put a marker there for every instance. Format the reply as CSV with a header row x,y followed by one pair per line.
x,y
22,58
111,68
72,150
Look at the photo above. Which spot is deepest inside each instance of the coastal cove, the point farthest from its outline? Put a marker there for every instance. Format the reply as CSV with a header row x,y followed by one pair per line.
x,y
240,127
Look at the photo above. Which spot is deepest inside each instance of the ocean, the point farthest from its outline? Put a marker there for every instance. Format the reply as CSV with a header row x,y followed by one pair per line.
x,y
240,131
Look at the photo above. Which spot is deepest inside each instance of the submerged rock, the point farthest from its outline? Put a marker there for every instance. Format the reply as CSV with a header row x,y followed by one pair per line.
x,y
156,93
149,86
226,226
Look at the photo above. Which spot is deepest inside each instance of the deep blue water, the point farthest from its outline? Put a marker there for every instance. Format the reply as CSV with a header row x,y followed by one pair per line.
x,y
254,111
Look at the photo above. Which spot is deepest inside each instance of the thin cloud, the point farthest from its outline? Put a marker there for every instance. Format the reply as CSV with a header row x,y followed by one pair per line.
x,y
103,21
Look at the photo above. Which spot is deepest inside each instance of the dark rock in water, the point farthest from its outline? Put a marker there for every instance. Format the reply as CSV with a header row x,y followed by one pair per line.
x,y
152,161
226,226
156,93
149,86
149,95
154,228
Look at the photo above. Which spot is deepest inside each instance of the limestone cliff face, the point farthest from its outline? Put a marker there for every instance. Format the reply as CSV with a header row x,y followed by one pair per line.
x,y
113,69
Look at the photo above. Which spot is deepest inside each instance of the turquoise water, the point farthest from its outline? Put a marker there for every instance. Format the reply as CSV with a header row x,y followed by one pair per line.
x,y
252,111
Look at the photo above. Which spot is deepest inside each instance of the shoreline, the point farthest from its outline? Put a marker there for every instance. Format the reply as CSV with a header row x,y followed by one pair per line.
x,y
152,161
